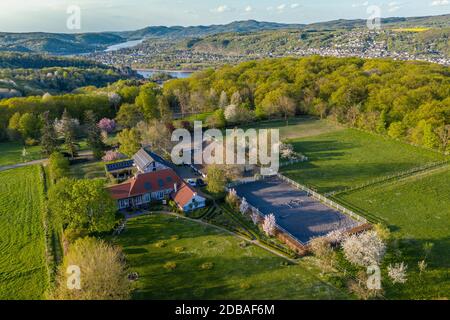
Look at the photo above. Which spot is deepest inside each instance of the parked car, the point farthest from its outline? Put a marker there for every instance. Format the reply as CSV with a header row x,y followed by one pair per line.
x,y
201,183
192,182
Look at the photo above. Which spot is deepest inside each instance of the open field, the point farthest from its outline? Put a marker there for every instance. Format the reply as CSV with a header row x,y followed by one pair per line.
x,y
179,259
417,209
11,153
298,127
23,270
349,157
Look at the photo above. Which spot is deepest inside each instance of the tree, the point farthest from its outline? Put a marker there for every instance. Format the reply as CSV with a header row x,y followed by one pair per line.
x,y
397,272
129,140
129,116
223,100
115,100
111,156
236,99
83,205
49,140
58,166
147,101
365,249
396,130
107,125
94,135
14,127
269,225
67,128
217,119
244,207
103,274
217,179
29,126
155,134
287,108
443,132
322,250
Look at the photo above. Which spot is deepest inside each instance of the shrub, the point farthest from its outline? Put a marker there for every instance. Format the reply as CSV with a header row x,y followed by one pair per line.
x,y
207,266
180,249
170,265
31,142
160,244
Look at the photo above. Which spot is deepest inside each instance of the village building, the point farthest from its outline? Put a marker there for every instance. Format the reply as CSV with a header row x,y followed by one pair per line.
x,y
154,181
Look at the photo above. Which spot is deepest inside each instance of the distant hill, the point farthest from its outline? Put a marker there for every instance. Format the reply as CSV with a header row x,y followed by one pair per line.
x,y
199,31
65,44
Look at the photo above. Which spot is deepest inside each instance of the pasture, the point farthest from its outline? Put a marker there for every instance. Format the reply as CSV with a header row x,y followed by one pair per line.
x,y
417,210
179,259
23,268
11,153
298,127
349,157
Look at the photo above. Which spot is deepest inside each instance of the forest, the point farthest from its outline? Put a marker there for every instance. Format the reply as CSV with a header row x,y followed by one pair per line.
x,y
403,100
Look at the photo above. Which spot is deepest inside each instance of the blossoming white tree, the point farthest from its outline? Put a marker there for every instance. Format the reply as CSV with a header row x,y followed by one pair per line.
x,y
255,218
243,208
287,151
397,272
365,249
336,237
269,225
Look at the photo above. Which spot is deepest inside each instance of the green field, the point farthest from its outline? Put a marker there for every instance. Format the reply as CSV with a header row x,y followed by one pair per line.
x,y
23,269
349,157
11,153
297,128
417,209
229,271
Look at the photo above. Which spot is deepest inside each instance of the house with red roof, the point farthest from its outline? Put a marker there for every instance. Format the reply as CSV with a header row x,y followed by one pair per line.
x,y
145,188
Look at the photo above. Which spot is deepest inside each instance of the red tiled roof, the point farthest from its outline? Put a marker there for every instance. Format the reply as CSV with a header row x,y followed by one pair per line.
x,y
120,191
184,194
146,183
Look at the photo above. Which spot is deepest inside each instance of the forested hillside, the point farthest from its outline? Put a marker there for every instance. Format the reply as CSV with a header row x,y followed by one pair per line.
x,y
34,74
407,100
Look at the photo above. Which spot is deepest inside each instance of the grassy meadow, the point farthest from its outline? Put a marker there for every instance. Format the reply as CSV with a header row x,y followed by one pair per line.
x,y
23,269
180,259
347,158
11,153
417,210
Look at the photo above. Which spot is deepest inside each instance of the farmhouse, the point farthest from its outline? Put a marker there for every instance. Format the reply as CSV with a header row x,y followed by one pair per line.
x,y
146,188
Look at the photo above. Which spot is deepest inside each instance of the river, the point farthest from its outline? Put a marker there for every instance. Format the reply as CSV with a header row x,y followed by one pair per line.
x,y
179,74
124,45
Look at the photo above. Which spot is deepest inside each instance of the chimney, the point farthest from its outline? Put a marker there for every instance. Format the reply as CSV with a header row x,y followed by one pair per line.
x,y
175,187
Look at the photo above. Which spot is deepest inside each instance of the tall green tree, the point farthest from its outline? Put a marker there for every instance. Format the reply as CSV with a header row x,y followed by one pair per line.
x,y
129,116
83,205
94,135
130,141
104,273
69,134
49,139
58,166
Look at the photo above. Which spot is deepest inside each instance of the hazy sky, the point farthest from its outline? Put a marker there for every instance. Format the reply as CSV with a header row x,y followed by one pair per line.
x,y
109,15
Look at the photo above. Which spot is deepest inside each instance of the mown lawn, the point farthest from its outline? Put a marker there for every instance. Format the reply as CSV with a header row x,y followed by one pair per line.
x,y
23,269
11,153
417,209
349,157
298,127
208,264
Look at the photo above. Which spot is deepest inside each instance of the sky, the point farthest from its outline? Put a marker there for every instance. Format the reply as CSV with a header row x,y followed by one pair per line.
x,y
118,15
